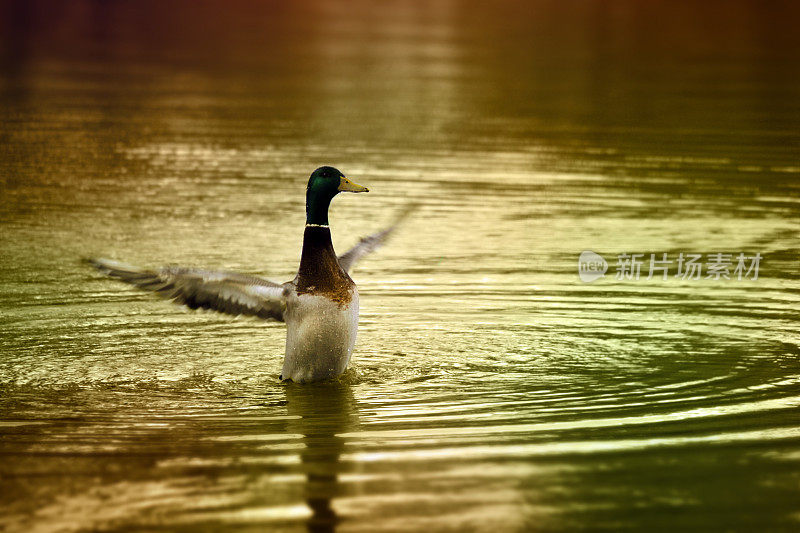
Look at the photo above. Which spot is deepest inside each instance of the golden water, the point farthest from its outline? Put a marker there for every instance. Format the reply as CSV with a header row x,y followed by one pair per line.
x,y
490,388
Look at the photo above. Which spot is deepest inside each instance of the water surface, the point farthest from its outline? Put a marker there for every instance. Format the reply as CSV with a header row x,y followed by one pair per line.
x,y
490,388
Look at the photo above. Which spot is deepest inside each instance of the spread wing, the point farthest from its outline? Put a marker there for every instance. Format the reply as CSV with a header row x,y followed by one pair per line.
x,y
226,292
370,243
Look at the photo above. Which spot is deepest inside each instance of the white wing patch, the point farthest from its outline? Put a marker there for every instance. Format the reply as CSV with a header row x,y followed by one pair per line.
x,y
225,292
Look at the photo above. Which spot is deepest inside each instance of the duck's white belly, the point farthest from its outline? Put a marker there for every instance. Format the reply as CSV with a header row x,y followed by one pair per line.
x,y
320,337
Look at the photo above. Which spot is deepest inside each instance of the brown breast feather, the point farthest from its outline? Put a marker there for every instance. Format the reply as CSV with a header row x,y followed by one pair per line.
x,y
319,272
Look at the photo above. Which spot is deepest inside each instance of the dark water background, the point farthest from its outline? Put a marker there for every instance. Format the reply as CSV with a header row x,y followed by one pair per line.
x,y
490,389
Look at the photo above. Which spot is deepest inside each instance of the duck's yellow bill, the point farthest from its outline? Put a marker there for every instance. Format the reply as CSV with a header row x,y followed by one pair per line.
x,y
346,185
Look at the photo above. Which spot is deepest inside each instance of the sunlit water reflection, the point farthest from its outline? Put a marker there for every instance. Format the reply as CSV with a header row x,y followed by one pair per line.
x,y
490,388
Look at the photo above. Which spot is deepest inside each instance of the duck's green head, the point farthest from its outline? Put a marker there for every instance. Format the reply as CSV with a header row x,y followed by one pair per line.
x,y
323,185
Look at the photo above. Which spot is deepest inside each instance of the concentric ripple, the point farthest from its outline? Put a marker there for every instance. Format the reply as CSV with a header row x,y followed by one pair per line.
x,y
491,389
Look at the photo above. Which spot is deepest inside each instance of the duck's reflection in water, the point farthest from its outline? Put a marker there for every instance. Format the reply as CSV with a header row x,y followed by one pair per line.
x,y
323,411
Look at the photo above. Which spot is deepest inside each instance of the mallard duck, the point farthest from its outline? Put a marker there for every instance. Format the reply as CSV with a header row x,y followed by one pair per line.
x,y
319,306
